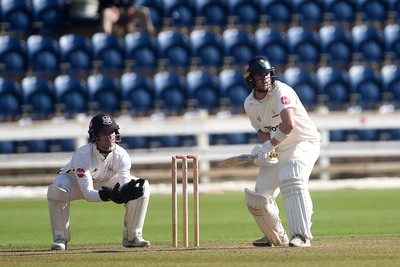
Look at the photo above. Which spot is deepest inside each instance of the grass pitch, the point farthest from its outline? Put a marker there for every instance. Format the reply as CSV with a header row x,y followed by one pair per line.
x,y
350,227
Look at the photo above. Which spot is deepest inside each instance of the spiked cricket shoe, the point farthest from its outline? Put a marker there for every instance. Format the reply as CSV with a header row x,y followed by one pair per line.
x,y
300,241
136,242
59,245
264,242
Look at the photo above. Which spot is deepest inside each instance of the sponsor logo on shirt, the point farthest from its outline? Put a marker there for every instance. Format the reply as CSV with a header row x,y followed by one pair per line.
x,y
285,100
272,128
80,172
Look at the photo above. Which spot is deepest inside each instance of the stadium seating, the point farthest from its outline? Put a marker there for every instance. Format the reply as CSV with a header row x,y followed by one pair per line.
x,y
62,145
17,16
304,83
7,147
10,99
339,12
304,45
307,13
211,14
333,83
43,55
272,43
366,84
392,41
71,95
278,13
108,52
206,49
104,93
156,10
76,54
170,92
239,46
173,49
233,89
135,142
203,88
391,83
141,49
178,13
368,43
371,10
49,16
38,97
137,93
243,12
13,56
336,45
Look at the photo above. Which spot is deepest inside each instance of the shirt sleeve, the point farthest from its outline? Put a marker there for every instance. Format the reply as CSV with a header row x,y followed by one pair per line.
x,y
285,98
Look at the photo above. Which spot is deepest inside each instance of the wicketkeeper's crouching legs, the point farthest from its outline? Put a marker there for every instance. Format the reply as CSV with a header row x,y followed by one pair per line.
x,y
135,214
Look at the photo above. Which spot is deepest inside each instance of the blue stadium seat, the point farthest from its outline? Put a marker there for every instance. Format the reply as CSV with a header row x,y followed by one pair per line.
x,y
366,135
178,13
104,93
76,54
366,84
174,49
304,83
49,16
368,43
337,136
7,147
339,12
239,46
108,52
71,94
135,142
204,89
243,12
392,40
391,82
170,91
62,145
393,7
233,88
141,49
272,43
156,10
304,45
277,12
372,10
13,56
10,98
38,97
138,93
43,55
334,84
336,45
17,16
308,12
35,146
211,13
206,48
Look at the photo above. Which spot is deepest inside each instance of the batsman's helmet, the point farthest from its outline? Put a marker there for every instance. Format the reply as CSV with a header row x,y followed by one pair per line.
x,y
257,65
102,122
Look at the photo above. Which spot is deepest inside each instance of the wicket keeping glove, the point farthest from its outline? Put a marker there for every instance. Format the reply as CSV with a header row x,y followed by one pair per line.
x,y
113,194
132,190
266,155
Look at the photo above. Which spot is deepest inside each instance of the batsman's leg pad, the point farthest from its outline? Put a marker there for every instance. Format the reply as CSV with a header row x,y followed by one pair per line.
x,y
58,203
266,214
299,207
135,214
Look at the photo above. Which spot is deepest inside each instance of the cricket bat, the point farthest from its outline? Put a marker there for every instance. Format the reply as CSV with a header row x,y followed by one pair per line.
x,y
240,160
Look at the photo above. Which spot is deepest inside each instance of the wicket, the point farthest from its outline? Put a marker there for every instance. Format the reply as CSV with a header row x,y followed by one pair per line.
x,y
185,223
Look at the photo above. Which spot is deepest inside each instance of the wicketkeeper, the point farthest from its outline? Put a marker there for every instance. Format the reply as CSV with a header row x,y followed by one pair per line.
x,y
99,171
283,126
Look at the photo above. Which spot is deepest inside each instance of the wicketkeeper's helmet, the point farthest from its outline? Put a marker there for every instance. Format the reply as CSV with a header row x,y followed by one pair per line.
x,y
102,122
257,65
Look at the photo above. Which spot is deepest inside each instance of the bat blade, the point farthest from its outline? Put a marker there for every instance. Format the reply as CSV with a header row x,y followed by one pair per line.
x,y
236,161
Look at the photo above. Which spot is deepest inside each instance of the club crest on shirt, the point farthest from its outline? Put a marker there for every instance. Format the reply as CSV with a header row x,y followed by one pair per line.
x,y
110,168
80,172
285,100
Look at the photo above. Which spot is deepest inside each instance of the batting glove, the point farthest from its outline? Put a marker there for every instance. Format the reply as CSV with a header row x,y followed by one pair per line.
x,y
255,150
266,155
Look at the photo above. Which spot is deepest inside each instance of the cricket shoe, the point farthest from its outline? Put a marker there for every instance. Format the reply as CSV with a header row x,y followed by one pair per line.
x,y
264,242
136,242
300,241
59,245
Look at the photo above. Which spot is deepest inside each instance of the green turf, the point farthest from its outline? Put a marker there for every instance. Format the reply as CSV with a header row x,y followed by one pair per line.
x,y
350,227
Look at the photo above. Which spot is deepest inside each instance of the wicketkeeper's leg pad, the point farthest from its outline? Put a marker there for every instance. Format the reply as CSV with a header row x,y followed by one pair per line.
x,y
58,203
135,214
266,214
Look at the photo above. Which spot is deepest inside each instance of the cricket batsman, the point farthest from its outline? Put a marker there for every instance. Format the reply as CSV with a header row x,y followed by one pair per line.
x,y
99,171
283,126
